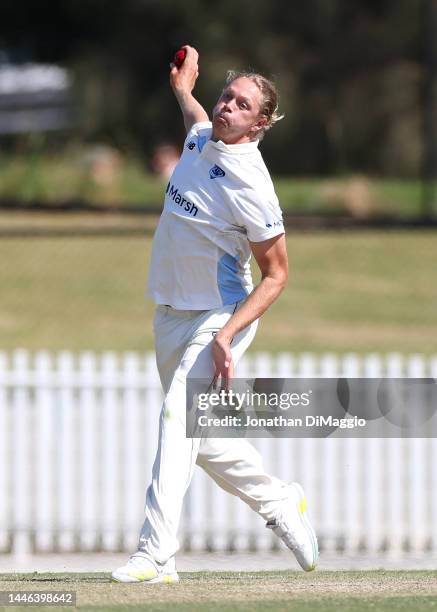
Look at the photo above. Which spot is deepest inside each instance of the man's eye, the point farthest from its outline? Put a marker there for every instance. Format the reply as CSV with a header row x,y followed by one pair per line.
x,y
243,105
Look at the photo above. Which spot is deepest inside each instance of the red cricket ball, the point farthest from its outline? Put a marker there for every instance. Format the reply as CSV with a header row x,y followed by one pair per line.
x,y
179,57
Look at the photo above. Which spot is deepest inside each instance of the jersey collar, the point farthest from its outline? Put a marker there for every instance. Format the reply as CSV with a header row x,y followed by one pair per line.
x,y
235,149
245,147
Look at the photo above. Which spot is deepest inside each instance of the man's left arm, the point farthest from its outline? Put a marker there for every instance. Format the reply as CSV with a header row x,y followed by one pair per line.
x,y
271,257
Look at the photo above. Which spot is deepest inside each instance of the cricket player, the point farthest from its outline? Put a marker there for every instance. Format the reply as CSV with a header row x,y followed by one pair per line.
x,y
220,208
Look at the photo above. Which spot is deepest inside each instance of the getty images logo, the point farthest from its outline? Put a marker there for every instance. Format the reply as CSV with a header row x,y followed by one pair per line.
x,y
216,172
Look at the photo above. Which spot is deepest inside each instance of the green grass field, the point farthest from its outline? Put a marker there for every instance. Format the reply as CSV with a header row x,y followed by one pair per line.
x,y
69,175
348,291
380,591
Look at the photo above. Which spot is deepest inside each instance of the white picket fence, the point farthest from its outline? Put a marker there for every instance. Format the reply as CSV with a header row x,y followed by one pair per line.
x,y
78,435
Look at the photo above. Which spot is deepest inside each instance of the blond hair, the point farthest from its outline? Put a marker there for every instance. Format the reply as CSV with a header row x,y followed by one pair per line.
x,y
270,97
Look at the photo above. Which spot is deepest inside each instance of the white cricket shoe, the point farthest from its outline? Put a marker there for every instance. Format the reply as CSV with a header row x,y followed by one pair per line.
x,y
140,568
295,530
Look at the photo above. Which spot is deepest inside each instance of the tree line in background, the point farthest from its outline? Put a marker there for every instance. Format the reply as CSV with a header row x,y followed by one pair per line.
x,y
351,73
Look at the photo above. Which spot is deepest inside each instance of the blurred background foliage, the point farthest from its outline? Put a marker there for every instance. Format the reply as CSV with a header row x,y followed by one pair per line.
x,y
358,82
350,74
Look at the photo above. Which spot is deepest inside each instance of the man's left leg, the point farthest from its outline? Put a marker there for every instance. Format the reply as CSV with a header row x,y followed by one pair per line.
x,y
237,467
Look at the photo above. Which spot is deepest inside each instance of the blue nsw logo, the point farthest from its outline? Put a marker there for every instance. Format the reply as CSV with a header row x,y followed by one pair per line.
x,y
216,172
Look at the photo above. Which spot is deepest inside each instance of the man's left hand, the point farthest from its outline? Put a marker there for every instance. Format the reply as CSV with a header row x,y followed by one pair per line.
x,y
223,363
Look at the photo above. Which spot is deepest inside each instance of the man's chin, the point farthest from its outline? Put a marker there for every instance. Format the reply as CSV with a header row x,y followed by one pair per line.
x,y
218,131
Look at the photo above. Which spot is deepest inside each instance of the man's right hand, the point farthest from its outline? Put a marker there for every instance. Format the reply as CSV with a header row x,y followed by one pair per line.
x,y
183,79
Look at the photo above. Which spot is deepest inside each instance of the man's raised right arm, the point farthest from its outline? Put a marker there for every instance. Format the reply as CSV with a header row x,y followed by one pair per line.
x,y
182,81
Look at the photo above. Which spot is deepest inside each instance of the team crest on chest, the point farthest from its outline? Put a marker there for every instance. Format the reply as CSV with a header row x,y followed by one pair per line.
x,y
216,172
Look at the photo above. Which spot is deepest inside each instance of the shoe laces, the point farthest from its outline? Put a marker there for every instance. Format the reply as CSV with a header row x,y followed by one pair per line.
x,y
138,561
286,528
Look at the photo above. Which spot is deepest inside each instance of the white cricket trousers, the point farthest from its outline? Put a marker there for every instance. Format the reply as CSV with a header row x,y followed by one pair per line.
x,y
183,349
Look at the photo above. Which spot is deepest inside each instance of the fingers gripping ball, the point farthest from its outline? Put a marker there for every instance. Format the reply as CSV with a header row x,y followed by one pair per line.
x,y
179,57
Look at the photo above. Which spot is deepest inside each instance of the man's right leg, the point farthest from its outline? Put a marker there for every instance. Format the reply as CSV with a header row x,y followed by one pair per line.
x,y
180,347
171,476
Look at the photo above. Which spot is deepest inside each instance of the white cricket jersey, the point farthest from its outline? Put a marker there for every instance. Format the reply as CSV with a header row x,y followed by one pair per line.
x,y
218,197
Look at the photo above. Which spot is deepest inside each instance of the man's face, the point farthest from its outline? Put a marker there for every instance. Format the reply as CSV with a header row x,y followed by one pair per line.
x,y
235,117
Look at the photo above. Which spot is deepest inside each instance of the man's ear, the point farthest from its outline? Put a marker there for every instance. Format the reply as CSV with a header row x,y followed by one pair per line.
x,y
258,126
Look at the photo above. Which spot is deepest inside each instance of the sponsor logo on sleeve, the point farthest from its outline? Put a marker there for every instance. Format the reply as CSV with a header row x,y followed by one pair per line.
x,y
275,224
191,145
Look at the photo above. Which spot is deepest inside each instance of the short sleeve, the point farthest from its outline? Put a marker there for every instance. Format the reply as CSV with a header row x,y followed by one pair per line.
x,y
260,216
198,127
